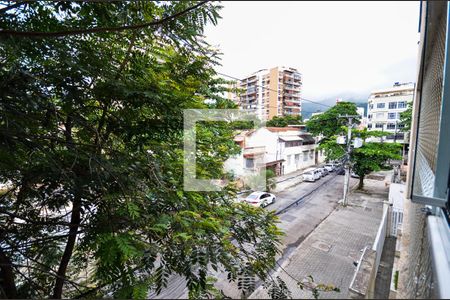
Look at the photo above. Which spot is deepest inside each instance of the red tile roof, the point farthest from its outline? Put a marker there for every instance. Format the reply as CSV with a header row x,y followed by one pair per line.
x,y
278,129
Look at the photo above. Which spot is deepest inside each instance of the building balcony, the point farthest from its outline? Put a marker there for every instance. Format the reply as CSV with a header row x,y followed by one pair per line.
x,y
293,95
291,88
252,79
295,101
254,151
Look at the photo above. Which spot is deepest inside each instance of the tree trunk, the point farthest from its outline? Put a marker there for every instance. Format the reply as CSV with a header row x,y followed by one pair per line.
x,y
361,182
74,224
7,276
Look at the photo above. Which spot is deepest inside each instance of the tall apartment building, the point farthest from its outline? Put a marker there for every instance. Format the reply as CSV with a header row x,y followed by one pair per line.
x,y
270,92
384,108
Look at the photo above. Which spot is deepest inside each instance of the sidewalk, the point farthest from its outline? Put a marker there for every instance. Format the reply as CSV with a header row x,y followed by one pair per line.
x,y
329,252
288,180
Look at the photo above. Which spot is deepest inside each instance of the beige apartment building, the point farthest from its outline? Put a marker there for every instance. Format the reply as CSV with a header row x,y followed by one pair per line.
x,y
270,92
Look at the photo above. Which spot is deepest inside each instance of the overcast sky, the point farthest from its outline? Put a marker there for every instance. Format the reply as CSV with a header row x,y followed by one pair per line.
x,y
343,49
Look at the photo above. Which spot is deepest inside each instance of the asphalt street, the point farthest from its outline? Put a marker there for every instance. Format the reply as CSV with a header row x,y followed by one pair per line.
x,y
300,208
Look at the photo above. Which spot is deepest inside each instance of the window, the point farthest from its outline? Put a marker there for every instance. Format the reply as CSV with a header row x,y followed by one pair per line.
x,y
369,125
402,104
379,125
249,163
311,154
369,116
392,105
370,106
390,126
288,160
392,115
380,116
297,158
400,125
305,155
380,105
293,144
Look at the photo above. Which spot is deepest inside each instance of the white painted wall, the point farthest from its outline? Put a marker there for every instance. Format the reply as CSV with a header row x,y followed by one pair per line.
x,y
295,158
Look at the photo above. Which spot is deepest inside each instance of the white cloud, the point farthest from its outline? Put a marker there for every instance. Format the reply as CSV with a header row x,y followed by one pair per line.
x,y
340,47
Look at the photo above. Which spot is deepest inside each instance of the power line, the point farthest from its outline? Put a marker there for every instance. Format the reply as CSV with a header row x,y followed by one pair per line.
x,y
304,99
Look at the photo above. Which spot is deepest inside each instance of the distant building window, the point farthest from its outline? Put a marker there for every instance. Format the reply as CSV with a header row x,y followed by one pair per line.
x,y
293,144
390,126
402,104
400,125
249,163
379,125
297,158
305,155
392,115
369,116
380,116
370,106
380,105
311,154
369,125
392,105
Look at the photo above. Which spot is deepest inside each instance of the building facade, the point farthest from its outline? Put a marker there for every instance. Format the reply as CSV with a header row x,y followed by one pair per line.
x,y
424,264
270,92
384,108
282,149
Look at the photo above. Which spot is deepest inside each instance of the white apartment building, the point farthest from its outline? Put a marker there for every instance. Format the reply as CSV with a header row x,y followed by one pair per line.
x,y
270,92
384,108
282,149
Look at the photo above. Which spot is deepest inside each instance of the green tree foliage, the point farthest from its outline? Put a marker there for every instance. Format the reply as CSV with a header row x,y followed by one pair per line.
x,y
370,157
284,121
91,104
329,123
406,118
264,181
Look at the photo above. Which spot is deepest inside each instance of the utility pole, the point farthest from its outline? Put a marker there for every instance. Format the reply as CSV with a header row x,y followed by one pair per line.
x,y
395,132
347,156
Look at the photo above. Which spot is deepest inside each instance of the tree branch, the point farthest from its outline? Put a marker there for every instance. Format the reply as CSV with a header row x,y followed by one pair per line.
x,y
74,221
41,34
7,276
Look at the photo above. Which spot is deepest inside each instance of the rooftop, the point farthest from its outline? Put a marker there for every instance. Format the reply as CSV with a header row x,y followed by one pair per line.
x,y
396,88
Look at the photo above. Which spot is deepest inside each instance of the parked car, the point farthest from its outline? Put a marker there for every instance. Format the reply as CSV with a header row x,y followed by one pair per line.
x,y
354,175
330,167
309,176
317,174
340,171
324,172
260,199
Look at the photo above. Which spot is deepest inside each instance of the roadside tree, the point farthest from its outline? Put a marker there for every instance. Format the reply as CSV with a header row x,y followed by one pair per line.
x,y
91,104
284,121
371,156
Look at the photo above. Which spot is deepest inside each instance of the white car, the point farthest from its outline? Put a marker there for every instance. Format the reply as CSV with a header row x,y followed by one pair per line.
x,y
354,175
260,199
323,172
317,174
330,167
309,176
